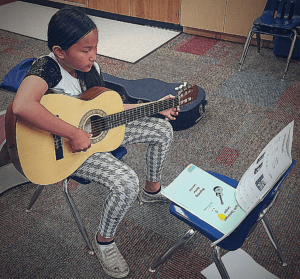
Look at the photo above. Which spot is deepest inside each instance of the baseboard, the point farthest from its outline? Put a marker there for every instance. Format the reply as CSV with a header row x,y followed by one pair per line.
x,y
267,42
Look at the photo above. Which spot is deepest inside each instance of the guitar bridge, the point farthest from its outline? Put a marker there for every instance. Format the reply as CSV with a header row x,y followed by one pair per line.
x,y
58,146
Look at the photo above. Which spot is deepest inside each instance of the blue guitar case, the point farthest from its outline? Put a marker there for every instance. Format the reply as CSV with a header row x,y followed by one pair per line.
x,y
148,90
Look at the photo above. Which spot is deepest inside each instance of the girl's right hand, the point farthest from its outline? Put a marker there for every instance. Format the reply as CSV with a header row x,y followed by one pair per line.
x,y
80,141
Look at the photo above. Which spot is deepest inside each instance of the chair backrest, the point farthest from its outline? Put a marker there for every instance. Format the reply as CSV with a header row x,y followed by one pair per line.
x,y
14,77
271,8
282,9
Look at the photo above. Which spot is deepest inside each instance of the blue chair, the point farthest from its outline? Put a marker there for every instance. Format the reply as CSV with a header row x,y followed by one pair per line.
x,y
234,240
118,153
280,18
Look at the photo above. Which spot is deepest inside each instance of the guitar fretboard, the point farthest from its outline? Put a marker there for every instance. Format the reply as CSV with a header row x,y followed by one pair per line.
x,y
123,117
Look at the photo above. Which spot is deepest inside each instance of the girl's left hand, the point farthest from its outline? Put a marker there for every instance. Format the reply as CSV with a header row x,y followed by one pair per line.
x,y
170,113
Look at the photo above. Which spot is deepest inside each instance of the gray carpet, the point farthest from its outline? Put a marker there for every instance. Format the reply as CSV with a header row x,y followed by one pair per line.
x,y
245,111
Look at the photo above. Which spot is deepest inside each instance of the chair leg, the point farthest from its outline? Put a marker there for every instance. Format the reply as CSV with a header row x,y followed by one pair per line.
x,y
290,53
258,42
218,261
180,243
273,239
35,196
246,47
77,216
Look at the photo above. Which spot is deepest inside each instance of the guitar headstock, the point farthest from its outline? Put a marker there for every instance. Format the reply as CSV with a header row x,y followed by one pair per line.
x,y
187,93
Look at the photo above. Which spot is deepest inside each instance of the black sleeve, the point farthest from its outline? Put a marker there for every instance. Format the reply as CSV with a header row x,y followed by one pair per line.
x,y
47,69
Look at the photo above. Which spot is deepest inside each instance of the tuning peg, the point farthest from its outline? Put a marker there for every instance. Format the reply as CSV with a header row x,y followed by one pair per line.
x,y
179,88
182,87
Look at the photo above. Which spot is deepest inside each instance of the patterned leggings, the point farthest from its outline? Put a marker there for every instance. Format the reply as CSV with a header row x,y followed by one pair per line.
x,y
122,181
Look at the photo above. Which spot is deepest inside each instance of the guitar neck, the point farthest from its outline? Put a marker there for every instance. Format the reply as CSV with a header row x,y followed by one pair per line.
x,y
123,117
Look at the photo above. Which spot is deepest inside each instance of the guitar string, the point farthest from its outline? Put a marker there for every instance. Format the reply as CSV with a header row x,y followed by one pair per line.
x,y
123,117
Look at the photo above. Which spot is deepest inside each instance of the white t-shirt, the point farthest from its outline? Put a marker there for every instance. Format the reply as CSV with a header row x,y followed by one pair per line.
x,y
57,77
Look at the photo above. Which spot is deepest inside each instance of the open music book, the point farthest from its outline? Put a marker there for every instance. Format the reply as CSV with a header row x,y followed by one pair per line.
x,y
219,204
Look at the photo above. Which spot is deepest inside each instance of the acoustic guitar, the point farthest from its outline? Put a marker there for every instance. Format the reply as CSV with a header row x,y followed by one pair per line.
x,y
45,158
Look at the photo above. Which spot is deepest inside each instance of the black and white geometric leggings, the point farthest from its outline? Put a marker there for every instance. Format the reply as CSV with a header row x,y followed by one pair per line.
x,y
122,181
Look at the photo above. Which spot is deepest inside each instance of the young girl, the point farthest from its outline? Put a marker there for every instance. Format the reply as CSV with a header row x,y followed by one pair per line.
x,y
71,69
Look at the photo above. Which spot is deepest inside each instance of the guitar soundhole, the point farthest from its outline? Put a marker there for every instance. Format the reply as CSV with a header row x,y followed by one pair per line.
x,y
93,123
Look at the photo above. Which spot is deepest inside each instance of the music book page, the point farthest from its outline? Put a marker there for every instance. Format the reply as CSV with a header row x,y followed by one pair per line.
x,y
266,170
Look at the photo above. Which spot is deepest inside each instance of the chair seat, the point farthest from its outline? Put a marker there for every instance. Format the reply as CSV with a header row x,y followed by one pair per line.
x,y
277,22
266,30
233,242
119,152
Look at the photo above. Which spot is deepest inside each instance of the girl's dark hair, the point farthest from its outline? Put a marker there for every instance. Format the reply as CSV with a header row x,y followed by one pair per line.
x,y
67,27
90,79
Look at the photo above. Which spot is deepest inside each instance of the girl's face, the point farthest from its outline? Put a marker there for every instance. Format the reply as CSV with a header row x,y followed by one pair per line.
x,y
81,56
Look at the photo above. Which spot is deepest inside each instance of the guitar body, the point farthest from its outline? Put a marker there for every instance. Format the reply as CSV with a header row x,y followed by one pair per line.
x,y
34,150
